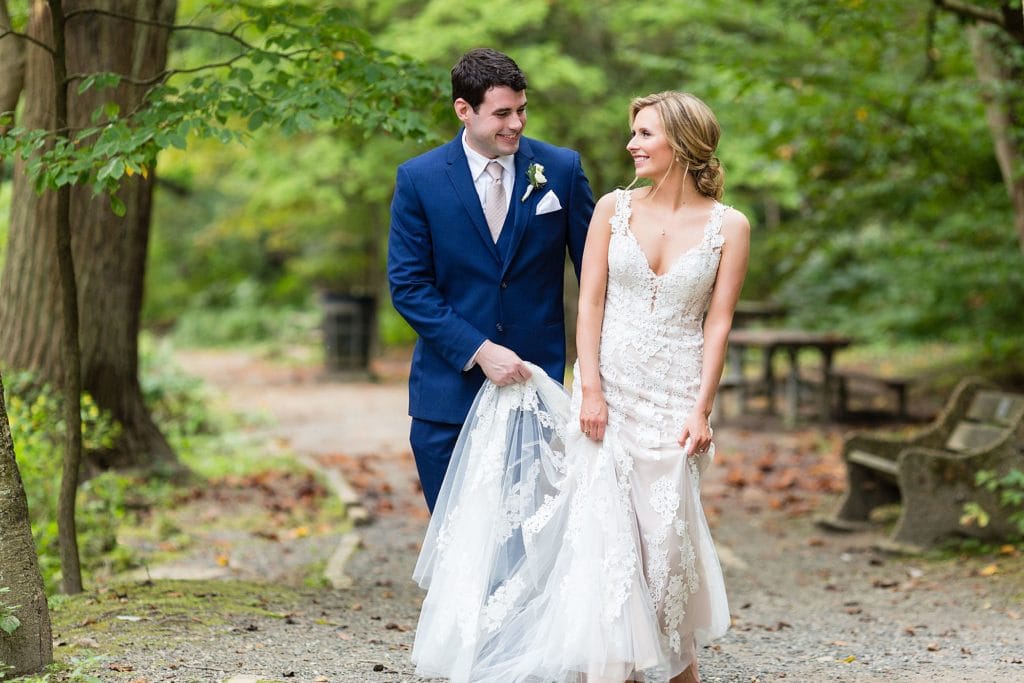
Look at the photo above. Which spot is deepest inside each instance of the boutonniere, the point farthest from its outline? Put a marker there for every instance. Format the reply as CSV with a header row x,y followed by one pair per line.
x,y
535,175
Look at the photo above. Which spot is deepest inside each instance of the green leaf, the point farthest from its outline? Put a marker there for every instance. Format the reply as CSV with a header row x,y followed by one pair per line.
x,y
118,206
114,168
9,624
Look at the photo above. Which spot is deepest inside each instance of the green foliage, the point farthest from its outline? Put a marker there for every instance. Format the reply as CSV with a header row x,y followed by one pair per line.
x,y
1010,490
110,499
292,65
178,402
37,428
854,137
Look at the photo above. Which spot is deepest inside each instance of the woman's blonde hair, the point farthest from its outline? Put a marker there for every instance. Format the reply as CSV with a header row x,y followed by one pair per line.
x,y
693,132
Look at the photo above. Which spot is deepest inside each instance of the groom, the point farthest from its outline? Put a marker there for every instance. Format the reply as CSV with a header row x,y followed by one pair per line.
x,y
479,231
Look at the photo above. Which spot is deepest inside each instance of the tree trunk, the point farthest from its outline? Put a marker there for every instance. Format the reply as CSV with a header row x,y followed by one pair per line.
x,y
29,648
12,70
1004,108
67,532
109,252
12,64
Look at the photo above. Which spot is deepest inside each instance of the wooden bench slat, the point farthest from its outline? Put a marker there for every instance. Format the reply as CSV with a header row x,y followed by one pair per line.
x,y
858,376
874,462
996,406
969,436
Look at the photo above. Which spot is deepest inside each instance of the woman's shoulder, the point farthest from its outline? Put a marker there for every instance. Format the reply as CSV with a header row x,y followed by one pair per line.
x,y
608,202
735,224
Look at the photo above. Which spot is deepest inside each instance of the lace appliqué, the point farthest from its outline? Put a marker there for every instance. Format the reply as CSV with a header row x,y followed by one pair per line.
x,y
653,327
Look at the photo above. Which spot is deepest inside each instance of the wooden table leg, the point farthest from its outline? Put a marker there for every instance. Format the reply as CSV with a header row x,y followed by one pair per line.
x,y
792,389
735,360
825,408
768,377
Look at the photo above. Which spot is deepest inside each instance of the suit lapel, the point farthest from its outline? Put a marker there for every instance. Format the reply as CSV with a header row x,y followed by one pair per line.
x,y
520,211
465,190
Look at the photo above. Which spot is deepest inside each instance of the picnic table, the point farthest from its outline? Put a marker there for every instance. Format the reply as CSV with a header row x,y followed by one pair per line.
x,y
771,341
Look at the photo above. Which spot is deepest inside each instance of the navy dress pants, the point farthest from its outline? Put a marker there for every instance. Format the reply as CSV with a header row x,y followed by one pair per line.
x,y
432,447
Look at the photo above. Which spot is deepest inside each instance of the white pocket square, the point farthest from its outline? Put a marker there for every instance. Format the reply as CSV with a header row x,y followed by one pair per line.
x,y
548,203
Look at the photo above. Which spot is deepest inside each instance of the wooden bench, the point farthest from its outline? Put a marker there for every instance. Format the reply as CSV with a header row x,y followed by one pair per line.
x,y
843,378
931,472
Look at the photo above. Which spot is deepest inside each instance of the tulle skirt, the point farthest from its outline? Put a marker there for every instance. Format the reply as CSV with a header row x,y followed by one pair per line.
x,y
534,560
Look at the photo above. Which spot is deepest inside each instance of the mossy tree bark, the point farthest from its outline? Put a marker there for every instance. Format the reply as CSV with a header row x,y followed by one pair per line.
x,y
29,648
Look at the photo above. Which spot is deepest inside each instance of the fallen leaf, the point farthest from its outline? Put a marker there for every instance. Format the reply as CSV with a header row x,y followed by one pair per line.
x,y
850,660
223,560
933,647
736,478
990,570
117,666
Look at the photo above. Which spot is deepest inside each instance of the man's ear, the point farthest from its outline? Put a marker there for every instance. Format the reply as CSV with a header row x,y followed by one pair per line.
x,y
462,109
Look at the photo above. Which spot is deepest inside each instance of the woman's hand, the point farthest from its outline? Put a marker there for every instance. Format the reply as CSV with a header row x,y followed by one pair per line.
x,y
593,415
697,432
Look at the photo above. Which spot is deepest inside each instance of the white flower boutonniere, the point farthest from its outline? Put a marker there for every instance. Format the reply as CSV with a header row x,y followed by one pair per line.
x,y
534,174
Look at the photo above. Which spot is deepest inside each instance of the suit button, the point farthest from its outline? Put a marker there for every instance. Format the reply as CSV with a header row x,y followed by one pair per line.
x,y
500,327
504,285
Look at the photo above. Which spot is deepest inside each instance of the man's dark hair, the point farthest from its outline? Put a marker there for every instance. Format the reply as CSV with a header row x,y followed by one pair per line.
x,y
481,69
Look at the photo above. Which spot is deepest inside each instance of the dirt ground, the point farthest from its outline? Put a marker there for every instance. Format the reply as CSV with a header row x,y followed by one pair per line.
x,y
807,605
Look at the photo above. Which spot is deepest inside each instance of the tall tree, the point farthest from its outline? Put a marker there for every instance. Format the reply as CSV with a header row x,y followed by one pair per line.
x,y
289,63
28,648
109,251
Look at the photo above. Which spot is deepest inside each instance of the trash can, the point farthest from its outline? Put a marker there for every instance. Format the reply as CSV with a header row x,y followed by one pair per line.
x,y
348,332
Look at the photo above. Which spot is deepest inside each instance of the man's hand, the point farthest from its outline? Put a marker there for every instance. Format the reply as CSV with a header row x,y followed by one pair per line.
x,y
501,365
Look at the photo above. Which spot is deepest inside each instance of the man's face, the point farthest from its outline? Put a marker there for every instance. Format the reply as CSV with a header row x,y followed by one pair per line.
x,y
496,127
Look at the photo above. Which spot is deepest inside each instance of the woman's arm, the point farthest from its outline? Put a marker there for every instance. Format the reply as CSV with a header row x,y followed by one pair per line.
x,y
732,270
593,281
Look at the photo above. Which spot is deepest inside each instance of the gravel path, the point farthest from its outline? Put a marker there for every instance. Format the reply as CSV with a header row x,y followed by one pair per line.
x,y
806,605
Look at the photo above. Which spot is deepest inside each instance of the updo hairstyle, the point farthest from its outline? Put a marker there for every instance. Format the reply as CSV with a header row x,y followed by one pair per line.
x,y
693,132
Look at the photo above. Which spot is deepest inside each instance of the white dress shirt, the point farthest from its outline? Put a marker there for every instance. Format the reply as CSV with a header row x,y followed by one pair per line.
x,y
481,178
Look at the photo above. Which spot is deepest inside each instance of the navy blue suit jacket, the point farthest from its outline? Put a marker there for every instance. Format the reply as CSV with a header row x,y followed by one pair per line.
x,y
456,288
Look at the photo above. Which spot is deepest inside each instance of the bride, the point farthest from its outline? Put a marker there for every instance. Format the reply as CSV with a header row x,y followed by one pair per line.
x,y
569,543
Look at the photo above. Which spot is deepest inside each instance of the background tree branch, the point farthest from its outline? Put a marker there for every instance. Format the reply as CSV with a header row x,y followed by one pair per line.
x,y
1008,18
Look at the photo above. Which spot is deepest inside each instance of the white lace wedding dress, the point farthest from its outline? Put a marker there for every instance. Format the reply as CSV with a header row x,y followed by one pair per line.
x,y
554,558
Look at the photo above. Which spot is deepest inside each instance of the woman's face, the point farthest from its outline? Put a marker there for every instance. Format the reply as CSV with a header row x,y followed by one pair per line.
x,y
649,147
